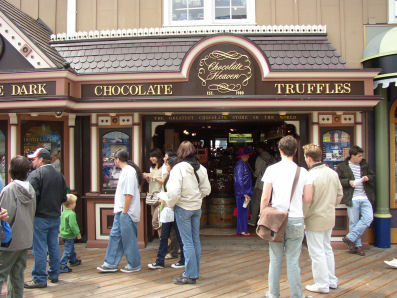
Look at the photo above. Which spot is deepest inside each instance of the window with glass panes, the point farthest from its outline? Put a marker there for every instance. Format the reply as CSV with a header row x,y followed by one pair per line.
x,y
208,12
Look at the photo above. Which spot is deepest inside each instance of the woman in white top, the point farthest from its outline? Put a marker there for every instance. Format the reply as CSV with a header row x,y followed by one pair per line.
x,y
156,180
188,184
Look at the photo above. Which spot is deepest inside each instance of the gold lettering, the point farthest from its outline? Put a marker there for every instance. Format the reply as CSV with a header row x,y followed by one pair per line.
x,y
107,90
320,88
338,88
310,88
15,90
279,86
289,89
347,88
116,90
300,90
98,90
1,90
168,89
124,92
150,90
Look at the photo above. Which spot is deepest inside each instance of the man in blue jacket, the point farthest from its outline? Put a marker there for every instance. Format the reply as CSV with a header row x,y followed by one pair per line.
x,y
50,188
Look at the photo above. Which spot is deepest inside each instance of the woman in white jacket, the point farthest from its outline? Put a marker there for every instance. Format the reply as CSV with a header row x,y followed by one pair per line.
x,y
187,186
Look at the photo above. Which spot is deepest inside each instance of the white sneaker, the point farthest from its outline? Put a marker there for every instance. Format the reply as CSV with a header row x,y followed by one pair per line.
x,y
392,263
128,270
314,288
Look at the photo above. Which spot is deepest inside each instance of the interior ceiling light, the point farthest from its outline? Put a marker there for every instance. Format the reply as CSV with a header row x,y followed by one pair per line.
x,y
186,132
194,134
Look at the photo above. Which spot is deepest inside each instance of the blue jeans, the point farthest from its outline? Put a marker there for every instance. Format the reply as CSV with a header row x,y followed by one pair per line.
x,y
165,234
68,252
292,245
45,235
358,225
123,239
188,222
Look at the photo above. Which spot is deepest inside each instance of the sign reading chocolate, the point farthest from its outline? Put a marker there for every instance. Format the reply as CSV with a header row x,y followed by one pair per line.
x,y
225,72
125,90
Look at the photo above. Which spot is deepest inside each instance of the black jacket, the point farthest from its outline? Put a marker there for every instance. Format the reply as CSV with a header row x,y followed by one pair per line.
x,y
50,188
345,175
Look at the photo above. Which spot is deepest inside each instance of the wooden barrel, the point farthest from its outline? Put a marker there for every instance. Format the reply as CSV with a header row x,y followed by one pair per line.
x,y
220,212
204,213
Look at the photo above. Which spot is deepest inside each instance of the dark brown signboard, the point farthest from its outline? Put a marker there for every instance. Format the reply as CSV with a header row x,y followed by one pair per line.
x,y
225,69
28,89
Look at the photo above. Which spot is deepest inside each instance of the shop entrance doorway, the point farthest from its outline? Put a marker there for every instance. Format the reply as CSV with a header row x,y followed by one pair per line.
x,y
217,143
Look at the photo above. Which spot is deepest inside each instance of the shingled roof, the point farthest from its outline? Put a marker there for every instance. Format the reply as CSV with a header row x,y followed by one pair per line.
x,y
35,30
294,52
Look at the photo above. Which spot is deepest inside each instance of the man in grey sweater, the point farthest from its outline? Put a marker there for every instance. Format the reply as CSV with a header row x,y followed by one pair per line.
x,y
320,220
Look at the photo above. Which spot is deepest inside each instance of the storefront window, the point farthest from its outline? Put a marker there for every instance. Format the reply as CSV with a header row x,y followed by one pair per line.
x,y
112,141
336,145
46,135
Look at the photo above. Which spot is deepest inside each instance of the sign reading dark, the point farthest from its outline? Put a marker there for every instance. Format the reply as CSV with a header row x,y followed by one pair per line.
x,y
27,89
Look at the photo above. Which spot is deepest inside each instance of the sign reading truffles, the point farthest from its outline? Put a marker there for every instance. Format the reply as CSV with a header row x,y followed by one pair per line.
x,y
225,72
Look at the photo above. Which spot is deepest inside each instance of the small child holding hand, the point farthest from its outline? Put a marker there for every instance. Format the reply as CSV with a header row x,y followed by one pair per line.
x,y
69,230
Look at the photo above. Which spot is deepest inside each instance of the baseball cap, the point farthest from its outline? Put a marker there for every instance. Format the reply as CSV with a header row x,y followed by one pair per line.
x,y
40,153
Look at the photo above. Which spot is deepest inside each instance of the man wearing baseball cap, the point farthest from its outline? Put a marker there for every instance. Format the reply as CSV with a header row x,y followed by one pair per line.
x,y
50,187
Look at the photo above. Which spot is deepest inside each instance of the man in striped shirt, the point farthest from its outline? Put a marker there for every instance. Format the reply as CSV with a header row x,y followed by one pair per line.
x,y
357,180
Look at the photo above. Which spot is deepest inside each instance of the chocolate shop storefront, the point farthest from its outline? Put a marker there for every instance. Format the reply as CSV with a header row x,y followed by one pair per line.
x,y
84,97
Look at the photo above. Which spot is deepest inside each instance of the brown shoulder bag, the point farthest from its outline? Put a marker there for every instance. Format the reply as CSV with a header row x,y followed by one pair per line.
x,y
272,223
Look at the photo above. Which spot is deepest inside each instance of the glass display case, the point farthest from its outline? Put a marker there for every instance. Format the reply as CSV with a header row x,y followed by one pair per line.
x,y
336,144
112,141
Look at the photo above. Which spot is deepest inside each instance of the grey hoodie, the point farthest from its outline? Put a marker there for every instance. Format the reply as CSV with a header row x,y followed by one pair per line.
x,y
21,207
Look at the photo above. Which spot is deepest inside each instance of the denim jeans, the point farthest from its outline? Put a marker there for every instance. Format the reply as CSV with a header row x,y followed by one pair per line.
x,y
45,235
165,233
188,222
123,239
292,245
323,261
357,225
68,252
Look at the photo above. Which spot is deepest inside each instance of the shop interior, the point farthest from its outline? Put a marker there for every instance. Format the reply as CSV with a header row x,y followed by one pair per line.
x,y
217,143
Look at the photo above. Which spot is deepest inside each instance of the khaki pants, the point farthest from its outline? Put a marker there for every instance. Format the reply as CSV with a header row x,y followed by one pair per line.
x,y
12,265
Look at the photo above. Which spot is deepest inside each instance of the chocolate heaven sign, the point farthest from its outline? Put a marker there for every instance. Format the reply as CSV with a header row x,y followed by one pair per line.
x,y
225,72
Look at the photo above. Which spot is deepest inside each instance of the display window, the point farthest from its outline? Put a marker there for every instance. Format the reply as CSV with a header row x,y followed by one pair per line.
x,y
48,135
336,143
112,140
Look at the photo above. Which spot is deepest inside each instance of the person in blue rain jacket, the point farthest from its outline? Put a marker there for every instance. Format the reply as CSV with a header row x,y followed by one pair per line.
x,y
242,189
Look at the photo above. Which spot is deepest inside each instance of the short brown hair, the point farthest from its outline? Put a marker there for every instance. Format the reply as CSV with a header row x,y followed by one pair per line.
x,y
314,151
288,145
19,168
186,149
354,150
70,199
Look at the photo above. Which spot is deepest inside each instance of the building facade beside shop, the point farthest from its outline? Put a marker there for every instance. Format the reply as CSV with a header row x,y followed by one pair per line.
x,y
219,80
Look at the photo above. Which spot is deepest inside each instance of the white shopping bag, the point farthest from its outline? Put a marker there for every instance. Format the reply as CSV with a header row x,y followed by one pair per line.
x,y
166,215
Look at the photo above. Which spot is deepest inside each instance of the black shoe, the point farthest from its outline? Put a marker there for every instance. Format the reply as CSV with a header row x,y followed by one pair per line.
x,y
348,242
360,251
184,281
76,263
65,269
34,285
53,279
